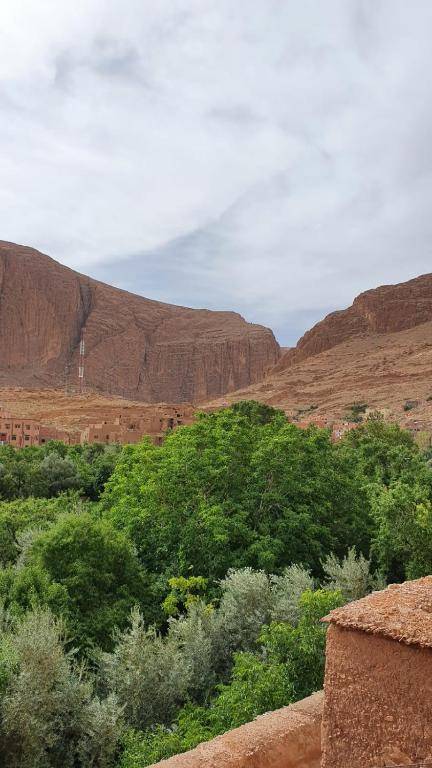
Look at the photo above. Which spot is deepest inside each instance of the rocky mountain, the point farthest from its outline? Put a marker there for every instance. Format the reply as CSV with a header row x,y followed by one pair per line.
x,y
378,351
387,309
135,347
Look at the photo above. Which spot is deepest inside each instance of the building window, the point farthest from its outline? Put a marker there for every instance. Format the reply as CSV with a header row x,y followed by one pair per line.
x,y
13,437
28,426
26,437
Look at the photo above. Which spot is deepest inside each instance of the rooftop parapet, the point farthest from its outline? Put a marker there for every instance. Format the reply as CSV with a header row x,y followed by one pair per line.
x,y
401,612
287,738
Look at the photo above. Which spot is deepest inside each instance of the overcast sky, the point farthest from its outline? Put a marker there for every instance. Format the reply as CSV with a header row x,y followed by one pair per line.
x,y
268,156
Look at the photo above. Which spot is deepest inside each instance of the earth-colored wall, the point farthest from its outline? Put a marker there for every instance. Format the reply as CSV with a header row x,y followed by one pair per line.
x,y
378,701
287,738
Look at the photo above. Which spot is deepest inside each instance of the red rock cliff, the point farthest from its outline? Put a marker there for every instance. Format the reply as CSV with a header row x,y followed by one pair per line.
x,y
387,309
135,347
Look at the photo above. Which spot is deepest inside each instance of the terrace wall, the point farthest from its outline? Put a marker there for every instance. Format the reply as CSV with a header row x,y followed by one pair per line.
x,y
287,738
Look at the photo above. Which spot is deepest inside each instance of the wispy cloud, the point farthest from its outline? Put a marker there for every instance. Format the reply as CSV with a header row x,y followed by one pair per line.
x,y
275,162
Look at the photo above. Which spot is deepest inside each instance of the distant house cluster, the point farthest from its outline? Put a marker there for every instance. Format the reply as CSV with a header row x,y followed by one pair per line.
x,y
123,429
23,432
421,429
338,428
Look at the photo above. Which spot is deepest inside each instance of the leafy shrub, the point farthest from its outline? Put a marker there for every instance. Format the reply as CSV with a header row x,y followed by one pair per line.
x,y
350,576
287,590
147,673
83,569
50,718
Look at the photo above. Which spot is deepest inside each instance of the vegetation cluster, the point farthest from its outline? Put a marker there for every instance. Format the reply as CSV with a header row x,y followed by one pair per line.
x,y
152,597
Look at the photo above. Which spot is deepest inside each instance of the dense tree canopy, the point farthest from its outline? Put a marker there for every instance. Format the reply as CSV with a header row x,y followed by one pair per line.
x,y
154,596
53,468
235,490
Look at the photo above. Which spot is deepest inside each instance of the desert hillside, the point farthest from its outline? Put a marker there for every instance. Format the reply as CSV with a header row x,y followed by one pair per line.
x,y
379,352
386,309
135,347
56,408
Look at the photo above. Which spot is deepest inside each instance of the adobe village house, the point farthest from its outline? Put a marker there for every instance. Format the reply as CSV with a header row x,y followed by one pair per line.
x,y
376,709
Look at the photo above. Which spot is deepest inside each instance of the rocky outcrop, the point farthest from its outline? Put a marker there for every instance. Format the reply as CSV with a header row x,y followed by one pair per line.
x,y
379,352
135,347
387,309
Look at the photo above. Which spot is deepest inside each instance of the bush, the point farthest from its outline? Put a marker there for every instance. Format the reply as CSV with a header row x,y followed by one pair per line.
x,y
147,673
350,576
195,634
287,590
410,404
49,716
83,568
244,607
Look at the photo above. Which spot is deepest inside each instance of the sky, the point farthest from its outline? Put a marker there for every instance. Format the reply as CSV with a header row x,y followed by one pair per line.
x,y
272,157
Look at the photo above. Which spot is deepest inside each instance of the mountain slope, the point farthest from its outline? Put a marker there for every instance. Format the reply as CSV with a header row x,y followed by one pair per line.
x,y
378,351
138,348
386,309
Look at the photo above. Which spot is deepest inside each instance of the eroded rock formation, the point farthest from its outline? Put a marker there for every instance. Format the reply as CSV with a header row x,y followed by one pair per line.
x,y
387,309
138,348
379,352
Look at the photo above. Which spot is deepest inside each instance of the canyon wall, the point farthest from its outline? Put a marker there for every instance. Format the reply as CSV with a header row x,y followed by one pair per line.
x,y
135,347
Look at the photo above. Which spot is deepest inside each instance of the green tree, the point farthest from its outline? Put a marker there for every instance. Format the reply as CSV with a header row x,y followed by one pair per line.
x,y
95,569
237,489
383,452
403,542
147,674
351,576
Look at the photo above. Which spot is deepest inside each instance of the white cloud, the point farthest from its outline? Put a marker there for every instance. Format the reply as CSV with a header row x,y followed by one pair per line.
x,y
286,144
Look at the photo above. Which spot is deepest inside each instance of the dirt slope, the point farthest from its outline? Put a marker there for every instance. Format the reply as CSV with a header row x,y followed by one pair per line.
x,y
378,351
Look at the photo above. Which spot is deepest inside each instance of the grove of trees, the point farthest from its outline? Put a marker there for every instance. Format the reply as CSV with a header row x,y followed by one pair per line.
x,y
152,597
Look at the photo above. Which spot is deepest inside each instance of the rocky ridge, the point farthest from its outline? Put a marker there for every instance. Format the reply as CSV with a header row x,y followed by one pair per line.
x,y
378,351
387,309
135,347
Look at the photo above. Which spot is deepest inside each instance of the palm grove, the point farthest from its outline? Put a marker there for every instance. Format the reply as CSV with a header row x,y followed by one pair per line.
x,y
153,597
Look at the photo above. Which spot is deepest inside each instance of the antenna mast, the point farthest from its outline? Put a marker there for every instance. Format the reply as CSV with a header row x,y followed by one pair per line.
x,y
81,363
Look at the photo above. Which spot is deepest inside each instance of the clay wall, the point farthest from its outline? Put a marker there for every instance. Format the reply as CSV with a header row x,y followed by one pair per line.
x,y
18,432
123,428
287,738
127,429
378,701
48,433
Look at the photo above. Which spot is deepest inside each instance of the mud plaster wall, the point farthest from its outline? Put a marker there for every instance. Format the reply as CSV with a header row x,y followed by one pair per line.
x,y
378,701
287,738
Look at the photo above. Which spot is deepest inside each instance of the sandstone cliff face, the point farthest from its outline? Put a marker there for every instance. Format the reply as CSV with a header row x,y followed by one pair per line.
x,y
387,309
379,351
138,348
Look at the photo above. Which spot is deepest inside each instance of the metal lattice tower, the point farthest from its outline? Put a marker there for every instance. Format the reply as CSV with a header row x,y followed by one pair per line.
x,y
81,363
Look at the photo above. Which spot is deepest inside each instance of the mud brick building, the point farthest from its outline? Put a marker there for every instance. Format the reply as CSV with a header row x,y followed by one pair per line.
x,y
378,680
